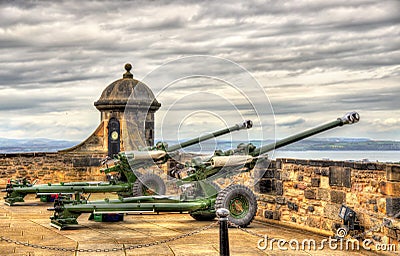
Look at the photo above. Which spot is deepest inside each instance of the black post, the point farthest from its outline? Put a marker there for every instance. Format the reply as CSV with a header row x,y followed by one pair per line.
x,y
223,214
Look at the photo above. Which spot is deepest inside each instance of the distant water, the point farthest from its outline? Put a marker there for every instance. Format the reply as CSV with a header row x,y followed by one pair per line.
x,y
372,156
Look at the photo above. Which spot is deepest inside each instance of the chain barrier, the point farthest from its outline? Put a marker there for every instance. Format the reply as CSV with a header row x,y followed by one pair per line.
x,y
136,246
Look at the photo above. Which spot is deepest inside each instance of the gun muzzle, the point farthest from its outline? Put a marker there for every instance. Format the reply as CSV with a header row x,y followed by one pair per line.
x,y
350,118
246,124
8,190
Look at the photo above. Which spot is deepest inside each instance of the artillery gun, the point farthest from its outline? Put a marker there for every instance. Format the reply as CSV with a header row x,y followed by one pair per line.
x,y
125,182
200,196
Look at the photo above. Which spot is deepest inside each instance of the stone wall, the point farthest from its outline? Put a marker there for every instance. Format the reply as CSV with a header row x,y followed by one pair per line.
x,y
308,194
305,194
50,167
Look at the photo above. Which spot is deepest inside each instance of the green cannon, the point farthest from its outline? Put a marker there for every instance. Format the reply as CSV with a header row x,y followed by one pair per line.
x,y
200,196
125,181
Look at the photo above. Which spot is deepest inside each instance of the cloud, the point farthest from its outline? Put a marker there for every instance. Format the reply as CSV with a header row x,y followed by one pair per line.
x,y
315,59
290,121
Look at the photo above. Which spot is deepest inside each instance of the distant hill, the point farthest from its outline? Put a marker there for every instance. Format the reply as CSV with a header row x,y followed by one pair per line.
x,y
33,145
324,144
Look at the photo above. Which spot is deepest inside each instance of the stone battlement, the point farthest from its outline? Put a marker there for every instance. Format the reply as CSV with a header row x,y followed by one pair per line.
x,y
50,167
309,194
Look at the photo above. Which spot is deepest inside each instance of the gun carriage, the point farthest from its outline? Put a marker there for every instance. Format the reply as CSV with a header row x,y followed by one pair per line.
x,y
200,195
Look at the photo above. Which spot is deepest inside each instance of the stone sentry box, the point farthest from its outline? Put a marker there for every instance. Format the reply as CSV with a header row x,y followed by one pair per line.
x,y
82,162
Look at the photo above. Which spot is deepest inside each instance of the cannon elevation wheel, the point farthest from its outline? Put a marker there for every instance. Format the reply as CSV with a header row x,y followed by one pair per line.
x,y
241,203
148,184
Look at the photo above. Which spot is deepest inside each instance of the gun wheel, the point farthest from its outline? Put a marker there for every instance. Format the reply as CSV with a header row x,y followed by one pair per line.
x,y
148,184
241,203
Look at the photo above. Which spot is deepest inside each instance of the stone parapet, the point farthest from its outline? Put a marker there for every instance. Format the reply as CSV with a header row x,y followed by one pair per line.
x,y
50,167
311,192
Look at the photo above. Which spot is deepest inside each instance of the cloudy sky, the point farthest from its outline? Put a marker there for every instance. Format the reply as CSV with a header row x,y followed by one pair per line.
x,y
314,60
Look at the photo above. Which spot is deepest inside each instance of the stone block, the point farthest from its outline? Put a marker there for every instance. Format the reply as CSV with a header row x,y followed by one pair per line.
x,y
393,233
280,200
325,172
393,173
278,174
278,163
315,182
300,186
339,176
276,215
338,197
390,188
22,172
268,214
292,206
285,175
331,211
377,238
324,182
300,177
310,194
266,198
313,222
265,186
323,194
279,188
310,208
393,206
86,162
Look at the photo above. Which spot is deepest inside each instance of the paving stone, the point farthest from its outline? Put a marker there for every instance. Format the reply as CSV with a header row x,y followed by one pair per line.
x,y
34,227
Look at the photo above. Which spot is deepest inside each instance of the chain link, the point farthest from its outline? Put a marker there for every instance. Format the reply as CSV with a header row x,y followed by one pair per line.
x,y
136,246
244,230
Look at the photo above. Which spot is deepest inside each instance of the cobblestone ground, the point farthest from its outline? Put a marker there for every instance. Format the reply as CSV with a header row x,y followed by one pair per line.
x,y
30,222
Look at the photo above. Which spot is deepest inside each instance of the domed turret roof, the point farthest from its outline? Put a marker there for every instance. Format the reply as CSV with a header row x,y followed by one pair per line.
x,y
117,94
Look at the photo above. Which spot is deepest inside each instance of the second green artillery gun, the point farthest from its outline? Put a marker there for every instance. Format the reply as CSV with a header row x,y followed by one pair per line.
x,y
124,181
200,196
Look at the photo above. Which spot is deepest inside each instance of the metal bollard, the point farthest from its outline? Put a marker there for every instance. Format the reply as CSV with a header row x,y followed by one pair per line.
x,y
223,214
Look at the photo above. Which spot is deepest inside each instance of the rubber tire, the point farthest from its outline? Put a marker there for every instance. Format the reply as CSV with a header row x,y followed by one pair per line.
x,y
138,186
224,197
205,216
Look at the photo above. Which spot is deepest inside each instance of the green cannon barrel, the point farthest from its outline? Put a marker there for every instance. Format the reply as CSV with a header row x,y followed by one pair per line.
x,y
17,192
213,165
245,125
139,159
349,118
